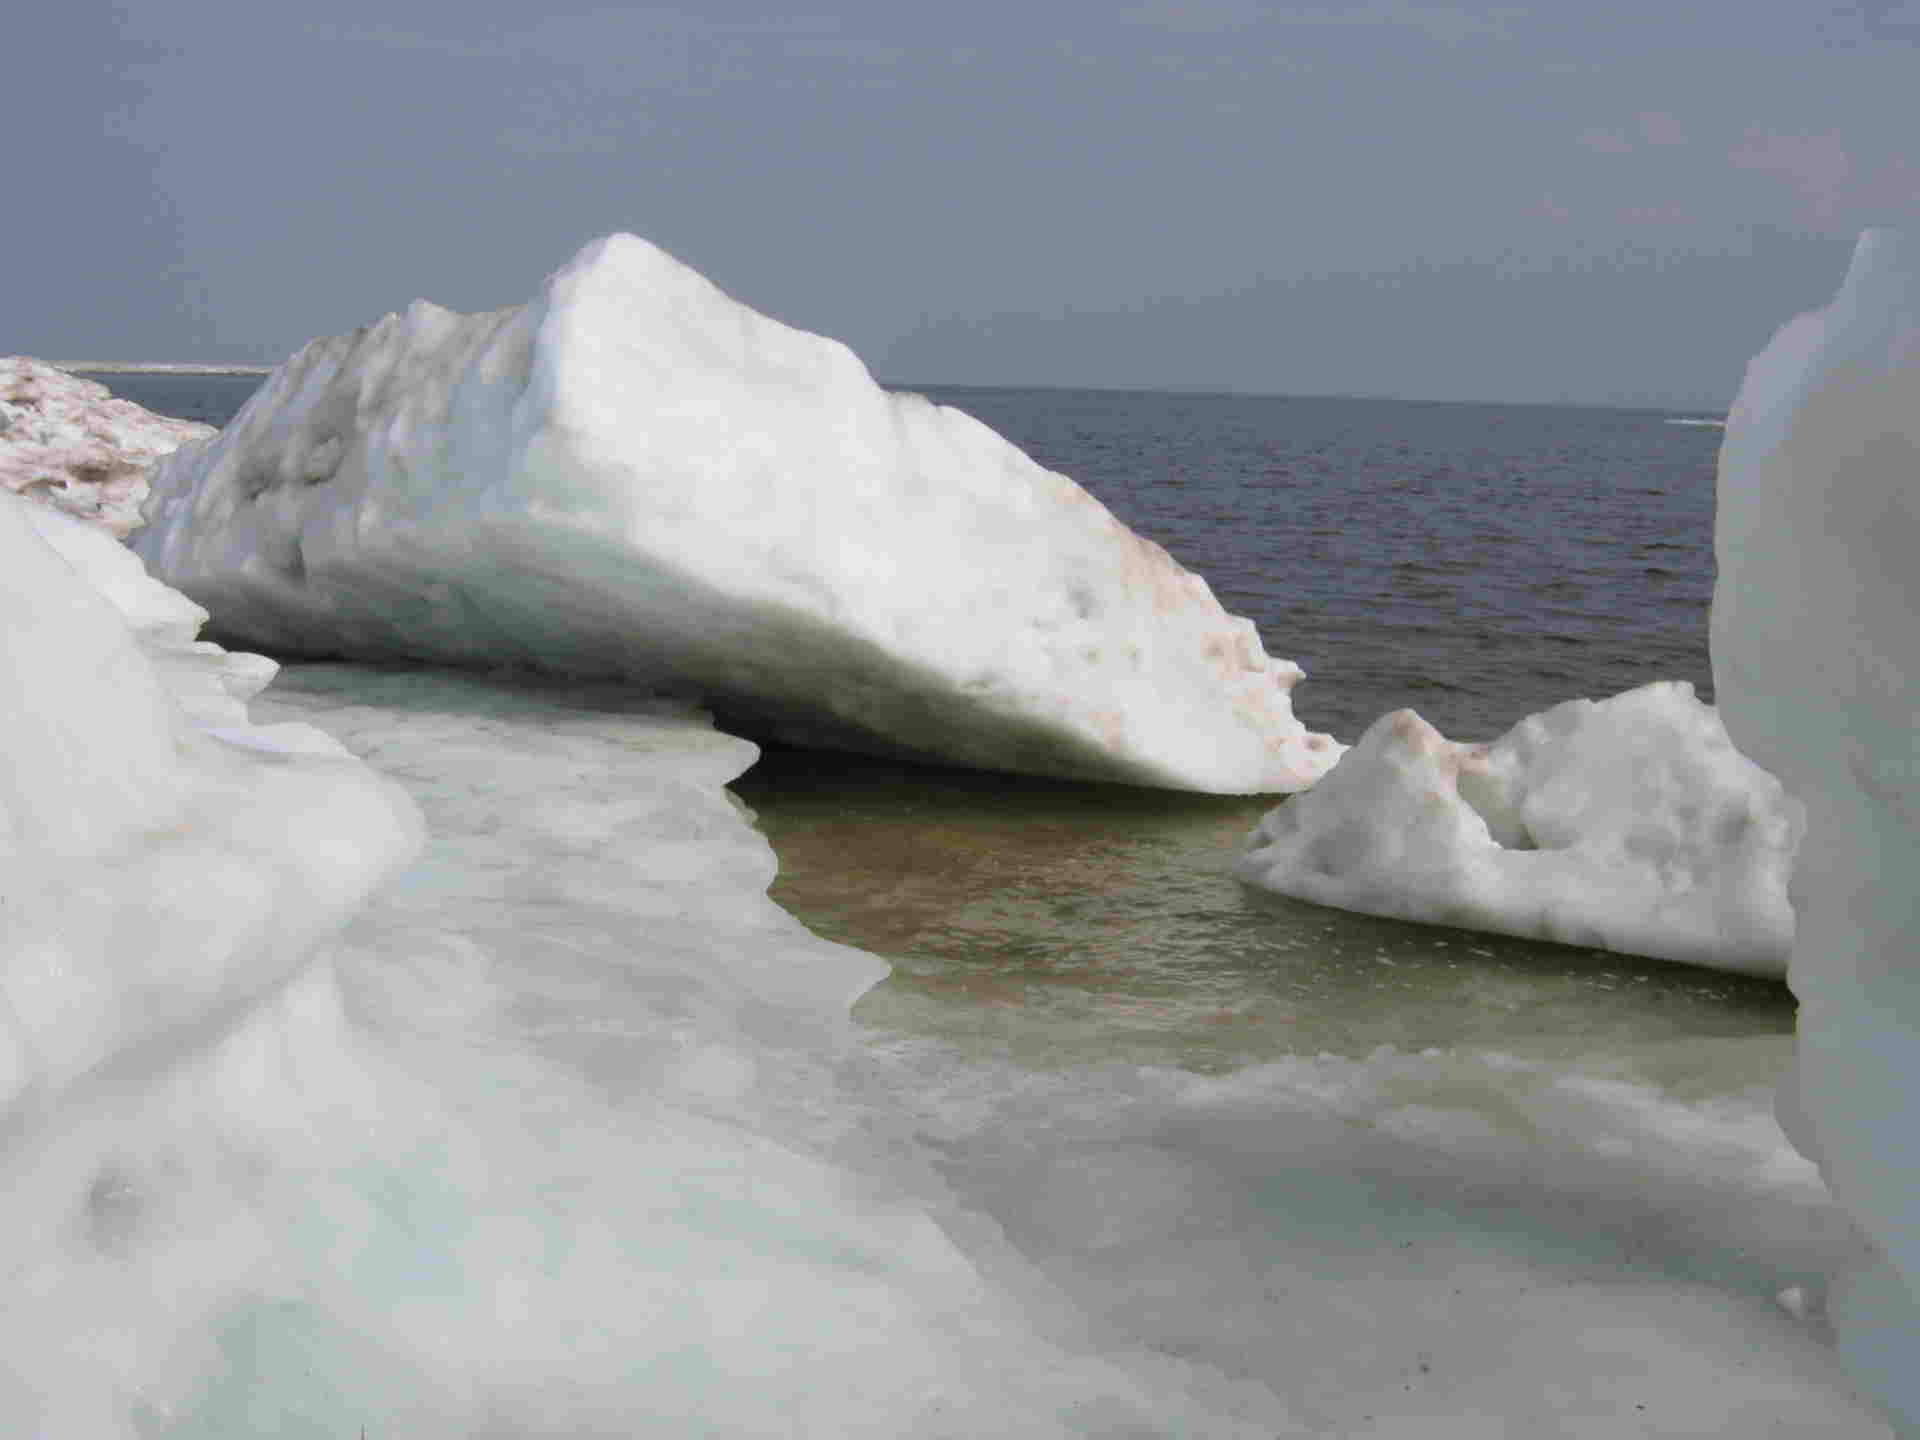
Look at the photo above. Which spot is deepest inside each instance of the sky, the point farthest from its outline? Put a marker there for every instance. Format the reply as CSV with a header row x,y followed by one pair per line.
x,y
1601,203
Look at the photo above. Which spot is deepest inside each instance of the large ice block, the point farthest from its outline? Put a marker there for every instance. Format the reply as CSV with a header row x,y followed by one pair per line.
x,y
635,475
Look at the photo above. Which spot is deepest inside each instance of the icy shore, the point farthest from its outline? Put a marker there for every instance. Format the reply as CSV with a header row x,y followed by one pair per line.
x,y
562,1130
472,1087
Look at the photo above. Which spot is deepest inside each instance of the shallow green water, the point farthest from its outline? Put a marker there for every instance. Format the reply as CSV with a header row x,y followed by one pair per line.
x,y
1062,924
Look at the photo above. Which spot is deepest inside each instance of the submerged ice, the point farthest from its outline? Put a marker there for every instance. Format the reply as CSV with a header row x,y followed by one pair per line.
x,y
1816,658
633,474
1630,824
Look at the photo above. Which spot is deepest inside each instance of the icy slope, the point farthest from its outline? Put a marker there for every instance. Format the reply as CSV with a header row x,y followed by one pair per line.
x,y
633,474
81,449
1816,655
1630,823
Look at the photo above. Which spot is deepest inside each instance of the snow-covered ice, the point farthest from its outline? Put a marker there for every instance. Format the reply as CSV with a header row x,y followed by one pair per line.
x,y
1630,824
1816,652
633,474
78,447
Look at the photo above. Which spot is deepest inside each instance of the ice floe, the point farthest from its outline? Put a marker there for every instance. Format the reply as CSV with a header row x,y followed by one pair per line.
x,y
1631,824
633,474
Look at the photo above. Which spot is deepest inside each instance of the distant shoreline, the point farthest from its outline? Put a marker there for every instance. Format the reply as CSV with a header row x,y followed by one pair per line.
x,y
138,367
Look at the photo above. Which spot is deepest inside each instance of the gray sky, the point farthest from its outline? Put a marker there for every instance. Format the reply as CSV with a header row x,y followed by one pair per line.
x,y
1577,200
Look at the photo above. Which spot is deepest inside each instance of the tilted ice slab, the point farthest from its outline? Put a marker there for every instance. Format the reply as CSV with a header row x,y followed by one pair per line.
x,y
1816,652
72,444
1631,824
633,474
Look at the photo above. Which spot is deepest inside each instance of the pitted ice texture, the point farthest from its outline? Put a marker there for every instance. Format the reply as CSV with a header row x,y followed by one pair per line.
x,y
67,441
1816,659
1631,824
634,475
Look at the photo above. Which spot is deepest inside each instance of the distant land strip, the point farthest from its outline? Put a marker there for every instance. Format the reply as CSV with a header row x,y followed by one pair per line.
x,y
140,367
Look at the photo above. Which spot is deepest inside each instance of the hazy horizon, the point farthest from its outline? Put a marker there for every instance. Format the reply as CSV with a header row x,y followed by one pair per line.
x,y
1546,204
142,367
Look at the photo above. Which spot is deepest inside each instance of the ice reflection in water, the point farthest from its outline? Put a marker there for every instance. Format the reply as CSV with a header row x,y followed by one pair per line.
x,y
1060,924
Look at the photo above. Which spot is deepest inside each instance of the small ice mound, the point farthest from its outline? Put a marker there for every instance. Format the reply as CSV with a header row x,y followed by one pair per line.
x,y
635,476
70,443
1630,824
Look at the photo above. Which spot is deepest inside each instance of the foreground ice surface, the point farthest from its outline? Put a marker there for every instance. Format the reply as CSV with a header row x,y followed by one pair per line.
x,y
550,1139
1631,824
633,474
79,448
1816,654
564,1132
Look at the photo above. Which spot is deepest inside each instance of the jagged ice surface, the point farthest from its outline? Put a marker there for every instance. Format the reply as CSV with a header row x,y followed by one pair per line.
x,y
633,474
1816,651
82,450
1631,824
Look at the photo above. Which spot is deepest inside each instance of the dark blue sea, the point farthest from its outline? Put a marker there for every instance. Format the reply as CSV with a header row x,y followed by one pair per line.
x,y
1475,562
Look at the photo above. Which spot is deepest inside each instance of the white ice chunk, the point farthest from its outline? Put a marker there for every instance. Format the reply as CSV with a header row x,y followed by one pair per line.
x,y
1631,824
1816,653
633,474
69,442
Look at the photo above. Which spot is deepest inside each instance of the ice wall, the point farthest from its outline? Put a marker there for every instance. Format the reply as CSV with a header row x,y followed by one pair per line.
x,y
1631,824
1816,652
633,474
77,447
